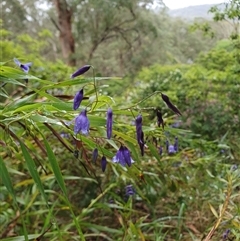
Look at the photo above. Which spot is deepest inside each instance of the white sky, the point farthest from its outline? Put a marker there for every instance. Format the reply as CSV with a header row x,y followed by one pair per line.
x,y
174,4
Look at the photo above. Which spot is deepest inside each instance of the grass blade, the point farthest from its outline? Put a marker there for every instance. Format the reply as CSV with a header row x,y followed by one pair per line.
x,y
33,171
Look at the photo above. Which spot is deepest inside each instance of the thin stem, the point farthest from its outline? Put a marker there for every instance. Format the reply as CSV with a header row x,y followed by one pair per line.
x,y
140,101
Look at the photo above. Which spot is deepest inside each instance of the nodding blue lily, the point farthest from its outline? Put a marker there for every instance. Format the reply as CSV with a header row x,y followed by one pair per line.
x,y
24,67
123,156
82,123
129,190
171,149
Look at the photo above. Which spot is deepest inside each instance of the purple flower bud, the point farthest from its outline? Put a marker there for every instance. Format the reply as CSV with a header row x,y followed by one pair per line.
x,y
140,134
82,123
81,71
139,127
24,67
78,99
176,144
109,123
104,163
94,155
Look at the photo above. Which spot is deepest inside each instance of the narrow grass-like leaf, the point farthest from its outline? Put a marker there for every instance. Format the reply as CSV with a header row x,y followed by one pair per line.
x,y
33,171
59,178
7,182
55,167
6,179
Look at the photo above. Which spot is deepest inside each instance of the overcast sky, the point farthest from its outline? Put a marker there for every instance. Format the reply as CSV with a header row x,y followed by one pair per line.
x,y
174,4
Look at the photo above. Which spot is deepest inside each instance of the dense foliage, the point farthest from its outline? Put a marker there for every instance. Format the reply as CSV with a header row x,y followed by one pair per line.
x,y
60,181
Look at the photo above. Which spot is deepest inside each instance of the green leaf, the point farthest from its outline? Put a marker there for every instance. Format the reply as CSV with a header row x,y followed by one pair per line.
x,y
55,167
6,179
33,171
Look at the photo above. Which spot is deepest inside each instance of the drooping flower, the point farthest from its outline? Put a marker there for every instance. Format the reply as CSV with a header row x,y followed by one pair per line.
x,y
81,71
225,234
170,105
123,157
82,123
129,190
24,67
94,155
78,99
103,163
140,134
176,144
109,123
171,149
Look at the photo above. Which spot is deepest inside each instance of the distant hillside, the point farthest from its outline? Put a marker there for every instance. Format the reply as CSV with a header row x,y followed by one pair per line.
x,y
191,12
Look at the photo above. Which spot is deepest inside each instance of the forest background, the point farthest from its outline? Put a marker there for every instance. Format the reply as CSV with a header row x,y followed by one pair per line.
x,y
53,188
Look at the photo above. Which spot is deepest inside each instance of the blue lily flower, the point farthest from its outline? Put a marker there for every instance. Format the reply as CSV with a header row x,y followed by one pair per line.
x,y
82,123
123,157
24,67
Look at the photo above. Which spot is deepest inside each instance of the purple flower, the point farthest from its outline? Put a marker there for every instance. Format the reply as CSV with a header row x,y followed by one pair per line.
x,y
78,99
225,234
82,123
24,67
104,163
109,123
129,190
140,134
171,149
94,155
81,71
176,144
123,157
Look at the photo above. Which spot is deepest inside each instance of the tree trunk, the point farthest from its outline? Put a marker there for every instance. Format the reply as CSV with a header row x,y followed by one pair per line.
x,y
66,37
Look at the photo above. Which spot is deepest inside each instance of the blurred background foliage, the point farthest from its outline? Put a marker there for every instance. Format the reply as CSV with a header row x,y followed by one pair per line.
x,y
48,181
